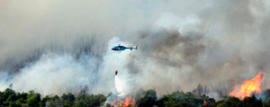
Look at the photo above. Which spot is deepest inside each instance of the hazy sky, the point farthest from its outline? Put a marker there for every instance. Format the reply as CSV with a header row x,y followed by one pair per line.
x,y
181,43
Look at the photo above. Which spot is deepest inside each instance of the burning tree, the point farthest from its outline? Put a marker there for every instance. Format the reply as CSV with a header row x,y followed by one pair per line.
x,y
249,87
127,103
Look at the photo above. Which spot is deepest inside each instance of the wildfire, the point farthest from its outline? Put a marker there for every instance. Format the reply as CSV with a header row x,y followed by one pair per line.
x,y
204,103
126,103
249,87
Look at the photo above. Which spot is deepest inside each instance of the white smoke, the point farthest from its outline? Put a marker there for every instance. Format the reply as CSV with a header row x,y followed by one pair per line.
x,y
181,44
60,73
56,74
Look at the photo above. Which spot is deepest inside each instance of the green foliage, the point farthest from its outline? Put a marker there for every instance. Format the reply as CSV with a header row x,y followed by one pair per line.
x,y
33,99
148,100
43,101
252,102
90,101
181,99
215,104
266,102
9,98
108,105
235,102
68,99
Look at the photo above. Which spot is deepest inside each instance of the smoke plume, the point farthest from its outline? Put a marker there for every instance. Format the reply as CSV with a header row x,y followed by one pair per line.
x,y
55,47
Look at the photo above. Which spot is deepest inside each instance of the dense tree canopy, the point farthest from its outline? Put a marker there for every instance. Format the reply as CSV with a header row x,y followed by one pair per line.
x,y
10,98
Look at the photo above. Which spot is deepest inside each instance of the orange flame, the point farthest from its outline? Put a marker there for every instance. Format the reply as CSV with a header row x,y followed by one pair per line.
x,y
204,103
126,103
249,87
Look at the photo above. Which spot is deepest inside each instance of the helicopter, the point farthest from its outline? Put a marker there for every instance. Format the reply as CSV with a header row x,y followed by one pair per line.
x,y
122,48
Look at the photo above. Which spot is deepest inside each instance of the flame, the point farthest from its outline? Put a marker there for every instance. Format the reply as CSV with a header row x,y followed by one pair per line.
x,y
126,103
204,103
249,87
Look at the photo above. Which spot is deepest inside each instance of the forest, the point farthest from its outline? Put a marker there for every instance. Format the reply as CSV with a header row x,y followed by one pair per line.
x,y
148,98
